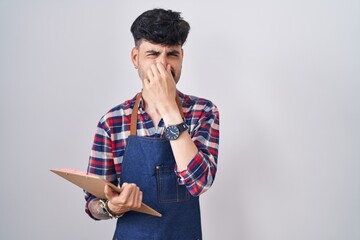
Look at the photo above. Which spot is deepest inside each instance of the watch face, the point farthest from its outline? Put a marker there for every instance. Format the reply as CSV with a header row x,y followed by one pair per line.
x,y
172,132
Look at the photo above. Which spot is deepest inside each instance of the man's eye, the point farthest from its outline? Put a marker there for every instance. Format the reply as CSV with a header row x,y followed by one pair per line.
x,y
152,54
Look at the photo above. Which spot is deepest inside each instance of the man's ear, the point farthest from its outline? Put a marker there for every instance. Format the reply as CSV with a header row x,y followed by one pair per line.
x,y
135,56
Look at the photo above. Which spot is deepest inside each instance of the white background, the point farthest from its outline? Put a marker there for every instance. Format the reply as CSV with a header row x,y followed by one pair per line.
x,y
284,74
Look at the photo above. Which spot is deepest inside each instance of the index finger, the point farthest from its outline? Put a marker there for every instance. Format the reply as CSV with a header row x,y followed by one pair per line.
x,y
128,189
161,68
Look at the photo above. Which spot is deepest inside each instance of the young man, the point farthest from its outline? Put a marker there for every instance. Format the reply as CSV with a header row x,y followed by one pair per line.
x,y
161,146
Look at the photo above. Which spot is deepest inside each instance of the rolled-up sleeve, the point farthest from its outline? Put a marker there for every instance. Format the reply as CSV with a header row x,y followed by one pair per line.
x,y
201,170
101,162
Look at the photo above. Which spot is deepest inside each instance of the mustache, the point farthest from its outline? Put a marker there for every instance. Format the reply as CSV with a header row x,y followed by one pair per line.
x,y
173,73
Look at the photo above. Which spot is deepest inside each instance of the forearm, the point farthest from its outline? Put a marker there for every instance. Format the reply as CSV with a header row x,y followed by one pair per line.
x,y
195,168
183,148
196,154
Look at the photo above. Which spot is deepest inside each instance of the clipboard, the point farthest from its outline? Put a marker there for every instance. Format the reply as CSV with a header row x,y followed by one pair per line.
x,y
96,185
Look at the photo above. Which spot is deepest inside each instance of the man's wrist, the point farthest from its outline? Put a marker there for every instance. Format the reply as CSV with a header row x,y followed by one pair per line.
x,y
171,115
172,119
105,205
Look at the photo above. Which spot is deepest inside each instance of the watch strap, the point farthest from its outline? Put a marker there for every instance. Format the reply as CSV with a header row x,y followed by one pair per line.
x,y
182,127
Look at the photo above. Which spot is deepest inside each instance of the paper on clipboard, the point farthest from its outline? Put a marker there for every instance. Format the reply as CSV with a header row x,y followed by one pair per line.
x,y
95,186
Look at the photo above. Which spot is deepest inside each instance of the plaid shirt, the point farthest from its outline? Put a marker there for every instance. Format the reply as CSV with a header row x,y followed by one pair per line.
x,y
201,116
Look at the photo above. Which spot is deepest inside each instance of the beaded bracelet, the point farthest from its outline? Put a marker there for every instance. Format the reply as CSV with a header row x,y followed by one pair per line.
x,y
105,206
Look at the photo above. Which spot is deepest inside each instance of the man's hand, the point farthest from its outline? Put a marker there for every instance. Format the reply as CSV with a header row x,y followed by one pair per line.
x,y
130,198
159,88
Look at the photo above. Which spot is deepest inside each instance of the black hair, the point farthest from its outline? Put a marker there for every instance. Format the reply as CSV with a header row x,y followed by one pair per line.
x,y
160,26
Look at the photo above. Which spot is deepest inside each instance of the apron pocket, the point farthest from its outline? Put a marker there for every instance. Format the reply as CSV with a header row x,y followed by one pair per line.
x,y
168,188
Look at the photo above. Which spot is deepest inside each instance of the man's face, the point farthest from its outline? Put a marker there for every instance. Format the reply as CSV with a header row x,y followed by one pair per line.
x,y
147,54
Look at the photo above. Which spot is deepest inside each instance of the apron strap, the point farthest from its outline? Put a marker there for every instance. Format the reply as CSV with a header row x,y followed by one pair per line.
x,y
134,114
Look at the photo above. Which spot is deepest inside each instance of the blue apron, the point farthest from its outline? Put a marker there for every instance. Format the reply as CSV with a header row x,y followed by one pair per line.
x,y
150,163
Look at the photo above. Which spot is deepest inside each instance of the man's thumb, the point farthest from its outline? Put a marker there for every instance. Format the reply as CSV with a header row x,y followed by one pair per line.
x,y
109,193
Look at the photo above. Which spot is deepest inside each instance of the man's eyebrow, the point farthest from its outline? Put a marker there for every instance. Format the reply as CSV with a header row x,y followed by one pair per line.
x,y
173,51
152,51
170,52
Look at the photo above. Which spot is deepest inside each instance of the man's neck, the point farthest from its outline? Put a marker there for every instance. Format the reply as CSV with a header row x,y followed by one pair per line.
x,y
150,109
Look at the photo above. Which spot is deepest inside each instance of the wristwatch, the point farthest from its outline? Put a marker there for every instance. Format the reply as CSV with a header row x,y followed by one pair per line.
x,y
172,132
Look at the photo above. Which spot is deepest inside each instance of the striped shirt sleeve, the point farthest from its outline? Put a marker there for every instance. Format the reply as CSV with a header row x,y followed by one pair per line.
x,y
101,161
201,170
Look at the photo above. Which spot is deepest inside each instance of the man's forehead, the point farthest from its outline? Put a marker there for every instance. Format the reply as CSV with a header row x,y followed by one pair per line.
x,y
149,46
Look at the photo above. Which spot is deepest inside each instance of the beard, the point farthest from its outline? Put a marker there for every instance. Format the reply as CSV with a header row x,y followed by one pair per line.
x,y
175,76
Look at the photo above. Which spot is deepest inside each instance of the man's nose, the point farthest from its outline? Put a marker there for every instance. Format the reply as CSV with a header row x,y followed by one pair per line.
x,y
163,60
